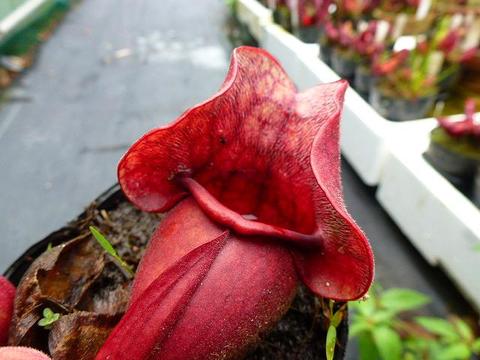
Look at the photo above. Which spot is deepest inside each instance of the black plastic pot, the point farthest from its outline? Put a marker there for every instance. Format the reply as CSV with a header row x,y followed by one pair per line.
x,y
455,167
325,46
448,83
283,17
308,34
343,65
363,80
476,188
397,108
326,53
110,200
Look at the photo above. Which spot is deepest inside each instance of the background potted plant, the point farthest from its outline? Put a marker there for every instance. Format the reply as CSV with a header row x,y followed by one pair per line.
x,y
343,57
368,44
282,15
454,148
406,16
305,18
388,326
457,38
332,14
404,88
328,38
224,265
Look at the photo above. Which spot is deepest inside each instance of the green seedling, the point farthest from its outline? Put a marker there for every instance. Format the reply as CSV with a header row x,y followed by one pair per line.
x,y
336,318
110,250
49,317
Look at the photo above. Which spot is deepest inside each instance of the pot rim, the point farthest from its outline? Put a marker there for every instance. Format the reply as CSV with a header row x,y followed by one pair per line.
x,y
107,200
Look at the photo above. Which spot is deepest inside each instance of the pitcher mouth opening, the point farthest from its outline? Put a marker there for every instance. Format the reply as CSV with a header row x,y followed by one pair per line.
x,y
244,224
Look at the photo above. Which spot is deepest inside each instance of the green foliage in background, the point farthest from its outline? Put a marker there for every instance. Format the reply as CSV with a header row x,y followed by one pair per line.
x,y
387,330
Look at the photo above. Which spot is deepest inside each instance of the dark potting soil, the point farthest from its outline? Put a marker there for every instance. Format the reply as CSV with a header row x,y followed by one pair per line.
x,y
300,334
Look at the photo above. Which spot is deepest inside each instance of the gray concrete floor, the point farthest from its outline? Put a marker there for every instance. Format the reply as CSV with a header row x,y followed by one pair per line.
x,y
111,71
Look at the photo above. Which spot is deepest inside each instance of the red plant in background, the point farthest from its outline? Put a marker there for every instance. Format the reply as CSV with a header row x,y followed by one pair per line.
x,y
322,9
308,12
355,8
451,45
251,180
450,41
399,5
346,34
382,67
331,31
365,44
467,127
370,5
7,296
468,55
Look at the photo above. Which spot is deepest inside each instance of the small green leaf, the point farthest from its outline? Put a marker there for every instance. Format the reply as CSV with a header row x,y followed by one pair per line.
x,y
465,331
476,346
49,247
366,347
364,307
438,327
47,313
357,327
382,317
337,318
476,247
331,342
44,322
398,300
455,352
104,243
388,343
417,345
49,317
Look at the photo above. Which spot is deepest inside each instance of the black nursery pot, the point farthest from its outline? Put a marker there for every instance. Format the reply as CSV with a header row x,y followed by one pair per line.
x,y
286,346
476,188
283,17
397,108
326,53
308,34
454,166
343,65
363,81
446,84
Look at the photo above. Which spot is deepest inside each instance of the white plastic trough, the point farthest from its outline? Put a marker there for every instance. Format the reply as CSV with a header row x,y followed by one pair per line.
x,y
438,219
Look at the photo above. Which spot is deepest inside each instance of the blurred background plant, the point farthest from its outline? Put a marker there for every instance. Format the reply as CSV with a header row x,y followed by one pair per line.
x,y
356,35
387,327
